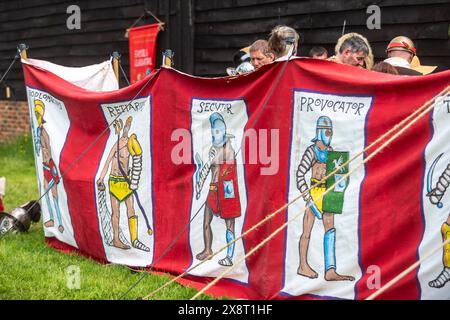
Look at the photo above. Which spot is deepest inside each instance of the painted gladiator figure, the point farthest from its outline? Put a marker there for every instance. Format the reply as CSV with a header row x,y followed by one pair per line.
x,y
51,175
121,182
315,159
435,195
223,196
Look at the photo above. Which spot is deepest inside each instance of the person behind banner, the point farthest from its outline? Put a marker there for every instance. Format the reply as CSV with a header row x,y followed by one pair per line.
x,y
318,53
353,49
401,51
385,67
223,197
51,175
260,53
283,42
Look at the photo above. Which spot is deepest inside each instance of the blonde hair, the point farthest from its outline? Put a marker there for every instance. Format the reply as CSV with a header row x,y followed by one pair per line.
x,y
282,39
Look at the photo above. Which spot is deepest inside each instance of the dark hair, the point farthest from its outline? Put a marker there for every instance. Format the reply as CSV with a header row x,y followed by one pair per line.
x,y
355,44
385,68
317,51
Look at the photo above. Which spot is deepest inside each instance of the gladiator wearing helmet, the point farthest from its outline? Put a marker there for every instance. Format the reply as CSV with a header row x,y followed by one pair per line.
x,y
315,159
223,197
51,175
121,182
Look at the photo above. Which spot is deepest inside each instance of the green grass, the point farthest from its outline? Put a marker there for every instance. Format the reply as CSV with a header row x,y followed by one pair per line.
x,y
32,270
17,165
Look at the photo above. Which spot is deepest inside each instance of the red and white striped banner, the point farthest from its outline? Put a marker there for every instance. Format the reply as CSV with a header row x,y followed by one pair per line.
x,y
129,171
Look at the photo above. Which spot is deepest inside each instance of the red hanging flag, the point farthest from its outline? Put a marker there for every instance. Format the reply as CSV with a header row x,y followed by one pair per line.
x,y
142,50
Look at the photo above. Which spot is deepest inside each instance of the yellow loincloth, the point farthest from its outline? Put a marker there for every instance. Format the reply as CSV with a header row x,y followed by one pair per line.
x,y
119,188
445,235
316,193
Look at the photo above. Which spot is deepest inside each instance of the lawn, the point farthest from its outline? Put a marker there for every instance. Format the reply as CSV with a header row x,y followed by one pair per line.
x,y
32,270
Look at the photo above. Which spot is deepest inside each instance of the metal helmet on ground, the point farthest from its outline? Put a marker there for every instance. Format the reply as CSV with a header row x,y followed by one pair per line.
x,y
19,219
34,210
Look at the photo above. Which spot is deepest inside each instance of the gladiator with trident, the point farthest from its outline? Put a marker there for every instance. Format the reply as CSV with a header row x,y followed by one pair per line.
x,y
223,196
123,183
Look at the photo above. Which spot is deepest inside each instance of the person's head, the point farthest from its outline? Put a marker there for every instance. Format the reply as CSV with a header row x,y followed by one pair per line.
x,y
401,47
385,68
318,53
282,40
353,49
260,53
